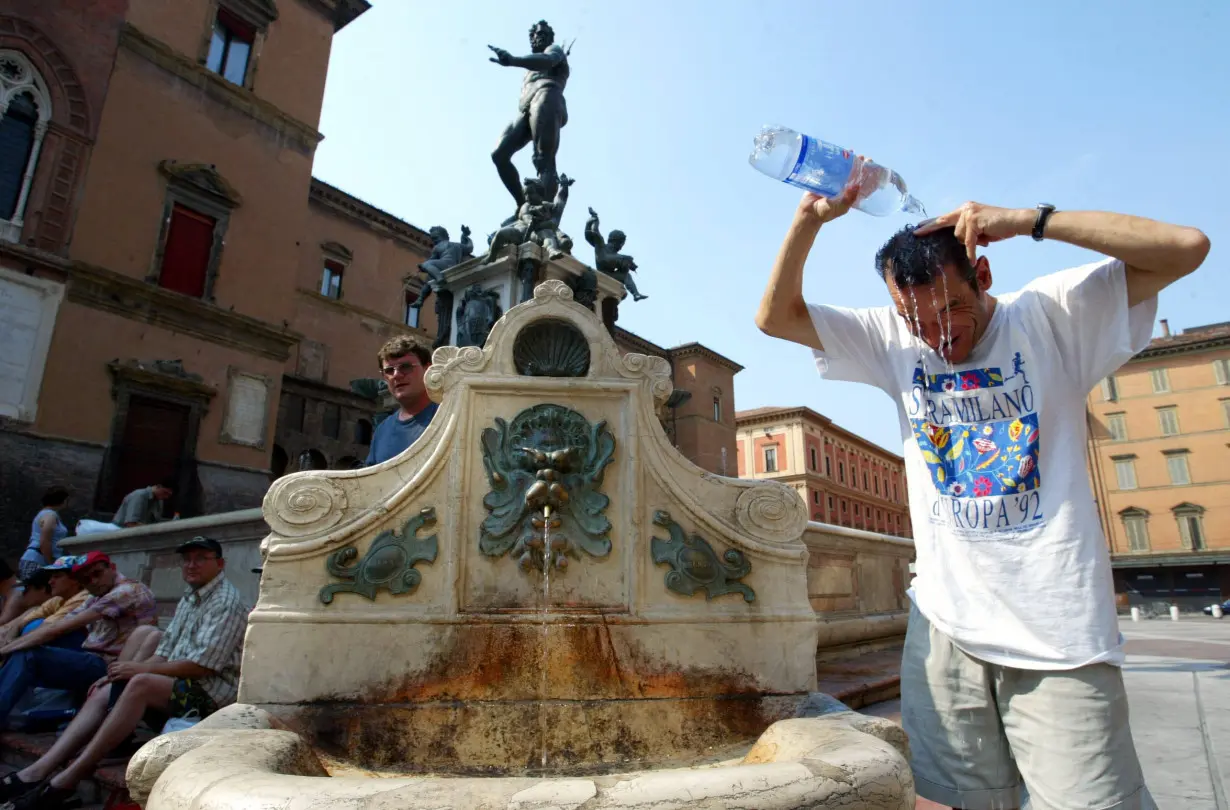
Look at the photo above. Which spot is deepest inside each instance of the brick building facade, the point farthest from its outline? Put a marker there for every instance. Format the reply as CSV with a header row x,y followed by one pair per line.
x,y
844,479
1159,462
164,248
699,417
179,297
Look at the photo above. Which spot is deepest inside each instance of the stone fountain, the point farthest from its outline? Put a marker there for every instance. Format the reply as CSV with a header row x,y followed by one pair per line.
x,y
540,604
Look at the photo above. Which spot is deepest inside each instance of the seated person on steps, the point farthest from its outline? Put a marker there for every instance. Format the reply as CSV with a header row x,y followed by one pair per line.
x,y
117,606
194,666
65,595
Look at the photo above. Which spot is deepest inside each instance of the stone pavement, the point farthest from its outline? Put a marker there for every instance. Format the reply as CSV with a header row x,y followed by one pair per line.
x,y
1179,692
1178,684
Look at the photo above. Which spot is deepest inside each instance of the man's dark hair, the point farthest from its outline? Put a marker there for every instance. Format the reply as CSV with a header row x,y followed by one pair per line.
x,y
39,580
55,496
917,260
401,346
167,483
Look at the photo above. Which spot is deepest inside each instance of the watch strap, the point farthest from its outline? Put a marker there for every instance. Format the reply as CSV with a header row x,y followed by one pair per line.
x,y
1044,213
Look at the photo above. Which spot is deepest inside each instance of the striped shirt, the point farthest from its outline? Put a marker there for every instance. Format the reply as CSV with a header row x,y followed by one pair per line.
x,y
208,630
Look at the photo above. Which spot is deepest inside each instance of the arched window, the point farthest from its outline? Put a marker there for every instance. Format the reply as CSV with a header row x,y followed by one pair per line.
x,y
25,109
363,432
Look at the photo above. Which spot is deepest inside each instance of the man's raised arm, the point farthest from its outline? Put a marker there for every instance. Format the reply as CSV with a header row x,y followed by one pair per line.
x,y
1156,254
783,312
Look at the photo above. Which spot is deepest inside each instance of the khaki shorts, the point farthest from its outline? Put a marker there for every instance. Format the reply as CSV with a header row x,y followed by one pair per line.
x,y
978,731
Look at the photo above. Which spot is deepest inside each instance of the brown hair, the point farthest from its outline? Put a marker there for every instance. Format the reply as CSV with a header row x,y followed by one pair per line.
x,y
402,345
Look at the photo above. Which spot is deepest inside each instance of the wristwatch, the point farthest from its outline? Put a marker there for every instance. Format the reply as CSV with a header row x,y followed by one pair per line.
x,y
1044,213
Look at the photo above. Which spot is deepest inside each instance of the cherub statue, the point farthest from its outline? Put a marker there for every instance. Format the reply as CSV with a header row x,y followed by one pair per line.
x,y
444,254
536,221
607,257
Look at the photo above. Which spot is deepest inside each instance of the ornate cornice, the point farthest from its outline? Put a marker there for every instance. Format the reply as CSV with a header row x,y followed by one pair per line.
x,y
204,178
1195,343
700,350
419,335
302,135
639,344
150,376
109,291
341,12
384,223
767,416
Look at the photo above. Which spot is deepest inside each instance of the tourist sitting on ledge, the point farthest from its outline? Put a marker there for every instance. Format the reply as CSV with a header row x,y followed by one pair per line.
x,y
402,364
142,506
119,605
193,668
64,595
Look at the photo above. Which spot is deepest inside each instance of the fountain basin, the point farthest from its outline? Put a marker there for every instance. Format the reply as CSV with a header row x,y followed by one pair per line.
x,y
237,758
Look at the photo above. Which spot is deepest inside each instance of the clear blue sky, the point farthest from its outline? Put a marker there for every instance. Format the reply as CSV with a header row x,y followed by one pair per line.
x,y
1094,104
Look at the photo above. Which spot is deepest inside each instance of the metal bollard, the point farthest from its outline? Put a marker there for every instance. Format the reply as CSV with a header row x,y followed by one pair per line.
x,y
1217,612
1135,614
1174,613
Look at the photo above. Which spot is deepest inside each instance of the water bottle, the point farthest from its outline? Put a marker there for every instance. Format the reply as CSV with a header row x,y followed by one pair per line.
x,y
822,168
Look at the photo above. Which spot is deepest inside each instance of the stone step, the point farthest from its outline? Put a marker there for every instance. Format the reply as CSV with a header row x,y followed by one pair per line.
x,y
862,680
106,789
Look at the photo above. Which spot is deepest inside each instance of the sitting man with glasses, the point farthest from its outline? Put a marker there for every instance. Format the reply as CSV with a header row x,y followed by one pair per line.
x,y
117,606
193,671
403,364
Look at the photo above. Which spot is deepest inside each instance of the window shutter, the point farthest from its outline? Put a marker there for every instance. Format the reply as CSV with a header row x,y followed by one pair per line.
x,y
185,260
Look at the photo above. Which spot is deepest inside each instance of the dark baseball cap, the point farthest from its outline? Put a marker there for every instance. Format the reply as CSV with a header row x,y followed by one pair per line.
x,y
200,542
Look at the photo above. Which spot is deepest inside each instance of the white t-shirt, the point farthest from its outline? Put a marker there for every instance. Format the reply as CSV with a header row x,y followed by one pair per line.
x,y
1011,560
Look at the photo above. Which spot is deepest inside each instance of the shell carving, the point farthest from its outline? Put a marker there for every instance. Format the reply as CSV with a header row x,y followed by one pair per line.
x,y
551,348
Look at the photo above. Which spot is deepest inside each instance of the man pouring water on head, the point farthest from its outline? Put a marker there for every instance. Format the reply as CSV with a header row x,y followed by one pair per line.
x,y
1009,675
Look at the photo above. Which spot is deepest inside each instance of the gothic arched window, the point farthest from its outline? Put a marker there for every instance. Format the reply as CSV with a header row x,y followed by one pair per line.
x,y
25,109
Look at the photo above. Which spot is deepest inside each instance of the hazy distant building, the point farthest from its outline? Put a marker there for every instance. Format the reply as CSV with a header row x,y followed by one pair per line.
x,y
845,479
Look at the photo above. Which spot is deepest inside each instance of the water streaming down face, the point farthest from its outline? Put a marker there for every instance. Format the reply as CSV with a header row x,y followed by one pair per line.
x,y
945,349
948,315
915,330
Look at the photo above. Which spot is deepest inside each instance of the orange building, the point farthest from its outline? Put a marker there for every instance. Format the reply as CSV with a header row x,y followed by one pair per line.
x,y
844,479
168,265
1159,461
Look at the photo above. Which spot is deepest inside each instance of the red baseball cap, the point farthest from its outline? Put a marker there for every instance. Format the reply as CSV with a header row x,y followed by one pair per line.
x,y
90,559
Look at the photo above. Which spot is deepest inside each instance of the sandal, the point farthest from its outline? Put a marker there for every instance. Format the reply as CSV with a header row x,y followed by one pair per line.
x,y
11,787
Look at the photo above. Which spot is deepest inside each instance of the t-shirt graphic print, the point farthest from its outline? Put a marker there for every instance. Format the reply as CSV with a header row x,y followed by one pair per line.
x,y
977,431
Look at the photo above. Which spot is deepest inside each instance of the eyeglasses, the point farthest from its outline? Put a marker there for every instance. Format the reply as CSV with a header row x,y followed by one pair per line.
x,y
187,561
404,368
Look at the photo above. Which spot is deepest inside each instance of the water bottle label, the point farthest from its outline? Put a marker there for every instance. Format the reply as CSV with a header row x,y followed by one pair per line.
x,y
809,144
821,167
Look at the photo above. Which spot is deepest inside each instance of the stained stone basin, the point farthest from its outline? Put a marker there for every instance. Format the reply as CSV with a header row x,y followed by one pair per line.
x,y
539,604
